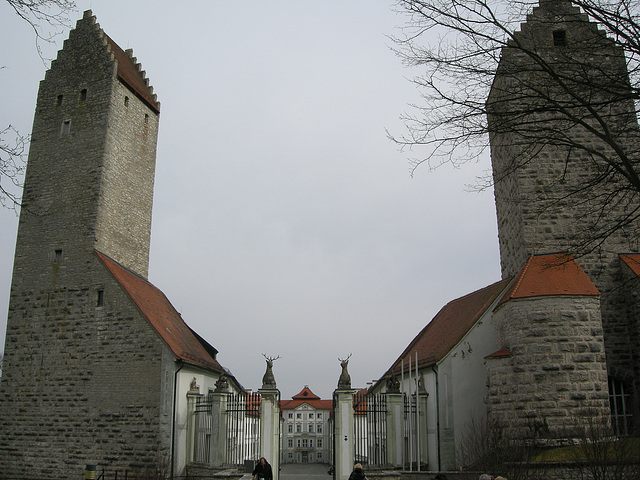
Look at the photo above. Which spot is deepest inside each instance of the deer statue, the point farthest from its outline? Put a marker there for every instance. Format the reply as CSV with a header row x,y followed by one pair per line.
x,y
268,380
344,382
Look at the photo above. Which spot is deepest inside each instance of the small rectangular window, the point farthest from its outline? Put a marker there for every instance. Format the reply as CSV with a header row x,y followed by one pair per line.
x,y
66,127
57,256
59,100
126,101
559,38
83,94
100,298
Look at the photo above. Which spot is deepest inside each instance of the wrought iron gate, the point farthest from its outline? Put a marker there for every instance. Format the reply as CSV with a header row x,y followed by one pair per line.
x,y
240,427
370,428
243,428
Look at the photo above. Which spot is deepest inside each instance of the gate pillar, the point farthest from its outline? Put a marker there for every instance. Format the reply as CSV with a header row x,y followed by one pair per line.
x,y
423,443
270,428
218,428
344,436
395,428
193,396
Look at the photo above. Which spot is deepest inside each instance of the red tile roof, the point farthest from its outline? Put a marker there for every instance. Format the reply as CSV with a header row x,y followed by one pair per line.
x,y
156,308
131,75
308,397
503,352
633,262
546,275
306,394
448,327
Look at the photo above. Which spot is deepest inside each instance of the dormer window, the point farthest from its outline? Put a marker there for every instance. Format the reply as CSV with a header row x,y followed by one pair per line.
x,y
559,38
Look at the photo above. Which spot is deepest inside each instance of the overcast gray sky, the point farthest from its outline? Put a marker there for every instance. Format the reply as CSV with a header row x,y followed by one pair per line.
x,y
284,220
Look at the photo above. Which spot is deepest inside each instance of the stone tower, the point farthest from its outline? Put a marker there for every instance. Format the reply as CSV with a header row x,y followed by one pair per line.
x,y
81,379
555,192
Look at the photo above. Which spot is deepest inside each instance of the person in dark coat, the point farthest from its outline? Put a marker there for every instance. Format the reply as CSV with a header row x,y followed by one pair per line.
x,y
263,470
358,473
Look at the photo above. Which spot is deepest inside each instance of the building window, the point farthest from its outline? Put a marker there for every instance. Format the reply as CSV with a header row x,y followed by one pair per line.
x,y
146,118
310,428
66,127
621,407
559,38
298,443
59,101
299,428
311,442
100,298
319,443
57,255
126,101
83,94
290,428
311,415
290,455
290,443
299,415
291,415
319,428
305,443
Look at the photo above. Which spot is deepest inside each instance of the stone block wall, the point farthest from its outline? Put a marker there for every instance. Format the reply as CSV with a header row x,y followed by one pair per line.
x,y
86,378
543,160
82,383
556,373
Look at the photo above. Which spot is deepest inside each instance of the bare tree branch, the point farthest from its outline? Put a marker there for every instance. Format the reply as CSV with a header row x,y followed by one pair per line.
x,y
47,18
580,108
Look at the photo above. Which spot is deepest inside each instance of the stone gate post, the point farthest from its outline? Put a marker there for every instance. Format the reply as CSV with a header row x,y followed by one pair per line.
x,y
270,428
193,397
395,430
219,437
344,436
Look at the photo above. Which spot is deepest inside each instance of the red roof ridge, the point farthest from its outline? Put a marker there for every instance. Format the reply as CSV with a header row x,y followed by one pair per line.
x,y
632,260
306,394
449,326
503,352
163,317
555,274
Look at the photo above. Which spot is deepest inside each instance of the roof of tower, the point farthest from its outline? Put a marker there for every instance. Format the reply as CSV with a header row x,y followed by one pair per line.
x,y
448,327
129,71
632,260
550,275
163,317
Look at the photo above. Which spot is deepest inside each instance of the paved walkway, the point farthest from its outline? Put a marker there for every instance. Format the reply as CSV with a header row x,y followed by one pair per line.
x,y
306,471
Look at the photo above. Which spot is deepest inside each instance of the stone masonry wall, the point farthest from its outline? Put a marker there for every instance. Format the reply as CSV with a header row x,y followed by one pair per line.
x,y
556,372
540,173
83,382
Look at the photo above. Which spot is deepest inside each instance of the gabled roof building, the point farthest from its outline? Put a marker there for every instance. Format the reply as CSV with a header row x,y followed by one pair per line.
x,y
555,342
306,436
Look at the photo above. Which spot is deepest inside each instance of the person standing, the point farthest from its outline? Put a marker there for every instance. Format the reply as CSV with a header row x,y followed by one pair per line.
x,y
263,470
358,473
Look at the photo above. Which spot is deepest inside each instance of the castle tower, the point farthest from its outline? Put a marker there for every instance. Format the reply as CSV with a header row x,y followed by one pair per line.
x,y
81,371
551,132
